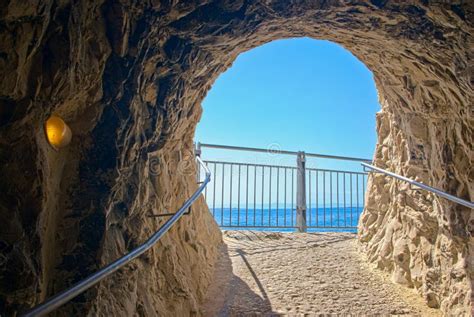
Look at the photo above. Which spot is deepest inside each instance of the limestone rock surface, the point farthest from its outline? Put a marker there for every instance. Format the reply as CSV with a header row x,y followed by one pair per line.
x,y
129,78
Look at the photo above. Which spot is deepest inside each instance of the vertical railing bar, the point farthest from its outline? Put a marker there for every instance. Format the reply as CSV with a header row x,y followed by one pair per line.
x,y
317,202
309,196
205,190
344,189
263,192
324,198
254,194
337,198
222,202
247,196
278,193
238,198
214,191
286,184
230,196
301,201
357,191
363,190
330,195
350,180
199,167
270,198
292,194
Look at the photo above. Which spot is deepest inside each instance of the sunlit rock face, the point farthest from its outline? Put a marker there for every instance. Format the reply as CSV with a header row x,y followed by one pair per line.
x,y
129,78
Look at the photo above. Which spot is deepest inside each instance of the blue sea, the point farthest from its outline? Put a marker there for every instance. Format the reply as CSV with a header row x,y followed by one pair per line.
x,y
322,219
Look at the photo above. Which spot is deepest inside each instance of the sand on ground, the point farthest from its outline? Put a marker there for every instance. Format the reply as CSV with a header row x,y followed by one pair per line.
x,y
268,273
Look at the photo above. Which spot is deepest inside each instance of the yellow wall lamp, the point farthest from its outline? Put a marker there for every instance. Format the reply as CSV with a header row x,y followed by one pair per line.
x,y
57,132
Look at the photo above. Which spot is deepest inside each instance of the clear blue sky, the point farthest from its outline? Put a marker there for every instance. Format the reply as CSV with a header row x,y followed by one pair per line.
x,y
301,94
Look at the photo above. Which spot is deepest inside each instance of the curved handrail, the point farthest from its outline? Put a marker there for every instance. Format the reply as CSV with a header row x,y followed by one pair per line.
x,y
436,191
66,295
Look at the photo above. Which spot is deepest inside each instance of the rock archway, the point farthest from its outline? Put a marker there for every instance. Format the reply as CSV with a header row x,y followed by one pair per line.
x,y
129,78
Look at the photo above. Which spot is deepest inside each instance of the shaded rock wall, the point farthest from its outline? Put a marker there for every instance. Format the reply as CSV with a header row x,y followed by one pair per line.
x,y
129,78
64,214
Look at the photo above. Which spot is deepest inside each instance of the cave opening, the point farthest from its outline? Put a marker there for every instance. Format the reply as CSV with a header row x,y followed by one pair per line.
x,y
300,90
295,93
129,80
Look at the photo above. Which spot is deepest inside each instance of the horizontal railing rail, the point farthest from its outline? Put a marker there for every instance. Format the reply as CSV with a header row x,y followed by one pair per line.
x,y
436,191
65,296
250,164
278,151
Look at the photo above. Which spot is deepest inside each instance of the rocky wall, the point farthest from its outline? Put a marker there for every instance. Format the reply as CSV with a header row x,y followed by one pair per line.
x,y
129,78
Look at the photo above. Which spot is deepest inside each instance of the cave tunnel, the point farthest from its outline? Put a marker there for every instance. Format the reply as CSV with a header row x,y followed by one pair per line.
x,y
128,78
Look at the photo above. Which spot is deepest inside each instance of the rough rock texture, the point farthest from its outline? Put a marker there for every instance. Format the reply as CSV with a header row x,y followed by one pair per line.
x,y
64,214
129,78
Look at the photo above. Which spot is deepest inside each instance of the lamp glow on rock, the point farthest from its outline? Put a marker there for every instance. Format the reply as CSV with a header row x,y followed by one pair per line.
x,y
57,132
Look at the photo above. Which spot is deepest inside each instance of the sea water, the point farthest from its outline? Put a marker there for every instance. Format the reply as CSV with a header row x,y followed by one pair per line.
x,y
322,219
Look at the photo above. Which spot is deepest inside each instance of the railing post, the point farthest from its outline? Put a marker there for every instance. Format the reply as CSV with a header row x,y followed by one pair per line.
x,y
301,192
197,149
197,152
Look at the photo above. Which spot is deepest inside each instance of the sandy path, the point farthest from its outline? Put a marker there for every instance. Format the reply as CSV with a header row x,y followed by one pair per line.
x,y
263,273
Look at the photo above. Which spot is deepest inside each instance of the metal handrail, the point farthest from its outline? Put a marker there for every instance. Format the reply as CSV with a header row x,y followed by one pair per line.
x,y
278,151
66,295
436,191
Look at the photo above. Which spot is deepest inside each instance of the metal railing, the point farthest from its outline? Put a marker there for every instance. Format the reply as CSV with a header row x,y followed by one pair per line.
x,y
436,191
251,195
65,296
278,151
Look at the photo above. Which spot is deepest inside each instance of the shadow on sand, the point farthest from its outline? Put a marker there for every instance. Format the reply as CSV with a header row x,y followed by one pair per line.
x,y
228,294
